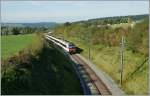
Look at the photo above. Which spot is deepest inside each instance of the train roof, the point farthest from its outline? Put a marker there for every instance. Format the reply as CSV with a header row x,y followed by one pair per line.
x,y
62,40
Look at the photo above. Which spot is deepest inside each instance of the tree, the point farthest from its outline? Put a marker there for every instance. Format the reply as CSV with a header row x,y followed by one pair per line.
x,y
67,24
130,19
15,31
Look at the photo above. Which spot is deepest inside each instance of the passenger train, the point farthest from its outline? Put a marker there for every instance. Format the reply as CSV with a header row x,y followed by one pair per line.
x,y
66,45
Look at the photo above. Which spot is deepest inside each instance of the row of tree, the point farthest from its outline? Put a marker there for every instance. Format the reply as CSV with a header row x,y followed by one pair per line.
x,y
7,30
113,20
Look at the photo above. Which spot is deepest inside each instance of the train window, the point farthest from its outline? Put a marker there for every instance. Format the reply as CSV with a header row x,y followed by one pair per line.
x,y
63,44
59,42
71,45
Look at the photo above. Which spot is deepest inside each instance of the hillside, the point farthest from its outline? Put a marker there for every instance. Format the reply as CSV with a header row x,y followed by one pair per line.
x,y
114,20
134,17
38,69
103,43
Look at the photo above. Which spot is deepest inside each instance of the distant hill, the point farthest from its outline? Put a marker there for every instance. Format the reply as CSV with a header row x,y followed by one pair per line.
x,y
115,19
134,17
40,24
95,20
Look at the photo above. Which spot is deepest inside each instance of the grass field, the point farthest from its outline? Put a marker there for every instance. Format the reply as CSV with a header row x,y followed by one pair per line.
x,y
12,44
108,60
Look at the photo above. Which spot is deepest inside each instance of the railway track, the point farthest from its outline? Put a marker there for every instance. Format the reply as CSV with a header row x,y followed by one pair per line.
x,y
93,81
95,84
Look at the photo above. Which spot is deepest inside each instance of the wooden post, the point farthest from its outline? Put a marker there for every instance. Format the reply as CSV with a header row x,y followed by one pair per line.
x,y
122,59
89,53
89,45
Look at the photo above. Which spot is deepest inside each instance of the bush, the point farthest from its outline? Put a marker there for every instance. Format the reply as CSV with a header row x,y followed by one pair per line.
x,y
138,38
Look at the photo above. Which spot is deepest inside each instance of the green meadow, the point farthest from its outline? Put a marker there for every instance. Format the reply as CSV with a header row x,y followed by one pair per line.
x,y
12,44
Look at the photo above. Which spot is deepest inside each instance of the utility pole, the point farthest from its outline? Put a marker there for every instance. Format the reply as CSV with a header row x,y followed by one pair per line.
x,y
89,45
64,33
89,53
122,59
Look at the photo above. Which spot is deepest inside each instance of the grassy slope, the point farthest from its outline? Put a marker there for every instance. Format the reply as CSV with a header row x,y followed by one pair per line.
x,y
108,59
47,72
12,44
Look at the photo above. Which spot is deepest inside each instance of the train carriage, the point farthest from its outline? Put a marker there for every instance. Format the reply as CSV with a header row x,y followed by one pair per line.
x,y
66,45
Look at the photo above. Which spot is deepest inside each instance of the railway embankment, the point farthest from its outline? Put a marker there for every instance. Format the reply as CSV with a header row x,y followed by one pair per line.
x,y
112,87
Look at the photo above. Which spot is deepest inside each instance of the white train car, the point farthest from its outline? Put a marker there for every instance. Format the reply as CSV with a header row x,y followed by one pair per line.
x,y
67,46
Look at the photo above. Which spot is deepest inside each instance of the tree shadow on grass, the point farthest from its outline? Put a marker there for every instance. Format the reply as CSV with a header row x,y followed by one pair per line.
x,y
48,73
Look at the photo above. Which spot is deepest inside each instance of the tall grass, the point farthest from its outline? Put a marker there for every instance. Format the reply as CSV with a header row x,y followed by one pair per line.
x,y
104,42
108,59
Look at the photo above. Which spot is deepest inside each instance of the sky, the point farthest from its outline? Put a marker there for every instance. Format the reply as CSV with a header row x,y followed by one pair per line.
x,y
68,11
